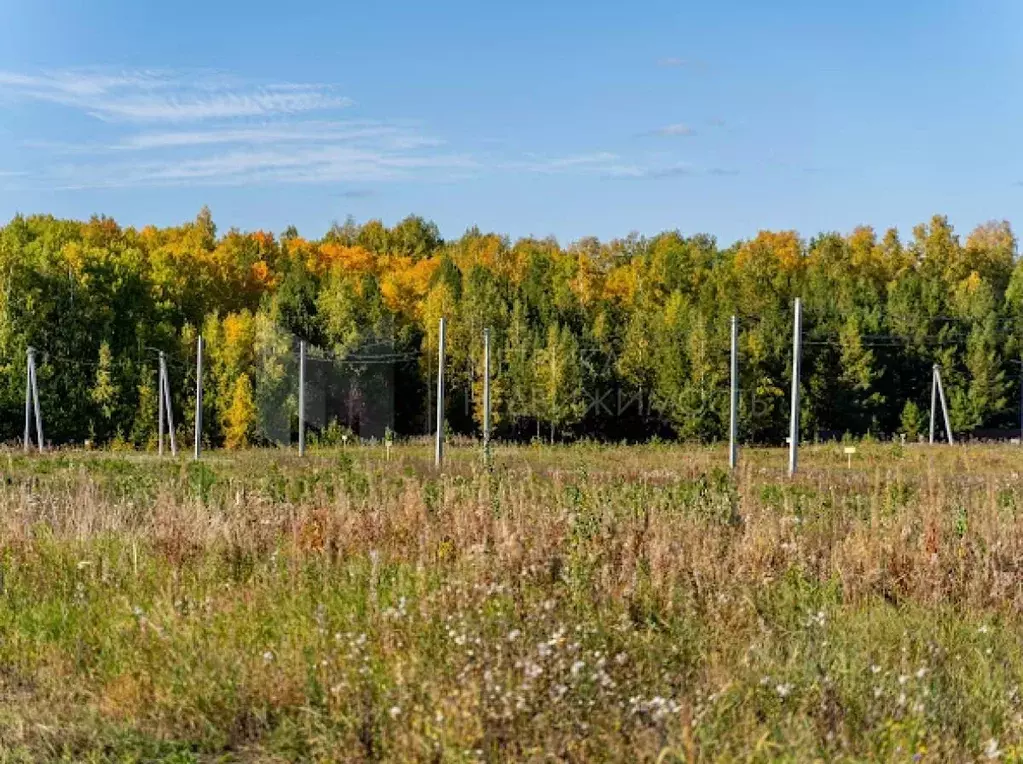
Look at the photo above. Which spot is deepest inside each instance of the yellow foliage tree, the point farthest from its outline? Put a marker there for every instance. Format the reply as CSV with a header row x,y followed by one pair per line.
x,y
623,283
241,415
350,259
783,246
239,337
587,283
991,251
404,284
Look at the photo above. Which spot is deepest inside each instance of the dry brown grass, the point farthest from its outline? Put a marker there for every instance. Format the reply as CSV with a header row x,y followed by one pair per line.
x,y
585,603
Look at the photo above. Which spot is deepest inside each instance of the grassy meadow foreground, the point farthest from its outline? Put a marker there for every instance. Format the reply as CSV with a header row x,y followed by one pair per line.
x,y
578,603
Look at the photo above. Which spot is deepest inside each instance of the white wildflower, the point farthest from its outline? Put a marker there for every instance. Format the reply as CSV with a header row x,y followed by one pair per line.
x,y
991,750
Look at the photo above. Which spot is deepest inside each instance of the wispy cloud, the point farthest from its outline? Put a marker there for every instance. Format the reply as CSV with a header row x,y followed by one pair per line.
x,y
602,164
208,128
596,161
669,171
173,128
675,170
305,164
676,62
615,167
395,135
167,96
674,130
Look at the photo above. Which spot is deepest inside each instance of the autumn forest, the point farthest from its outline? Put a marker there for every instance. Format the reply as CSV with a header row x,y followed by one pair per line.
x,y
624,339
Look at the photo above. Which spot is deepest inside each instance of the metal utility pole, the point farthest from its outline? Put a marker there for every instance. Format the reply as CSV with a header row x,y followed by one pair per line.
x,y
733,427
301,398
35,398
438,454
28,400
170,413
198,398
32,402
797,349
159,404
934,400
486,395
944,406
165,399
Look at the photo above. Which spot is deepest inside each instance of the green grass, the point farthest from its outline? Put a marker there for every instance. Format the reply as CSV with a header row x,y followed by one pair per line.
x,y
573,602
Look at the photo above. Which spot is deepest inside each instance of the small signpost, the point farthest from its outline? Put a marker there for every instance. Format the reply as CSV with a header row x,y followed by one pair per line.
x,y
849,451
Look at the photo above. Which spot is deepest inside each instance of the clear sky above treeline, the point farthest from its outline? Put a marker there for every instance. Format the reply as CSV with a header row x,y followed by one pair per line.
x,y
571,119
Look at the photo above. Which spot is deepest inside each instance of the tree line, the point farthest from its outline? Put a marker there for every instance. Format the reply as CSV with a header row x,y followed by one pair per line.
x,y
623,339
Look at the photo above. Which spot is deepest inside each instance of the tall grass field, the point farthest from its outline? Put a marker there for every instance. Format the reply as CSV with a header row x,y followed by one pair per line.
x,y
568,603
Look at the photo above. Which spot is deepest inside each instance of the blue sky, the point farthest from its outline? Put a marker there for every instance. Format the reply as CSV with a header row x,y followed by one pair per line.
x,y
571,118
